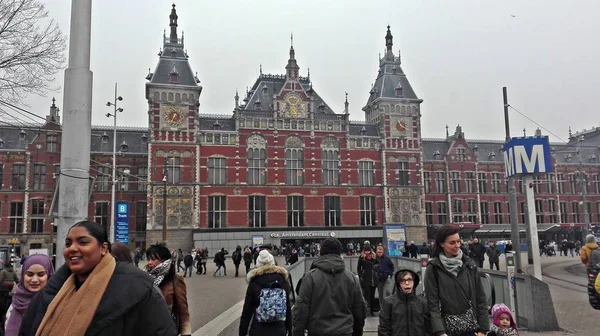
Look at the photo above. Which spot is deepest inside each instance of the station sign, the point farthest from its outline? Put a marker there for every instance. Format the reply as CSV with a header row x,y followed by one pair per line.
x,y
321,234
122,222
527,155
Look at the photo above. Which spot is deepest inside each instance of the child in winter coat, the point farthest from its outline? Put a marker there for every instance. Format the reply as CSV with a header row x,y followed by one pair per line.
x,y
404,313
503,321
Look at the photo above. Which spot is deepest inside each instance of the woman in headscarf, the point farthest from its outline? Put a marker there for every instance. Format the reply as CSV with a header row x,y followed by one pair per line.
x,y
35,273
162,269
92,294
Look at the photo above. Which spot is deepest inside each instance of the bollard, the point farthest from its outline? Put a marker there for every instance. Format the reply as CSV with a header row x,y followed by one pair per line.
x,y
424,262
512,292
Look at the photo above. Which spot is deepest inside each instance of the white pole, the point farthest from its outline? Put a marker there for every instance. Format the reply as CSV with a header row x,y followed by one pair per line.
x,y
510,273
111,230
77,125
533,234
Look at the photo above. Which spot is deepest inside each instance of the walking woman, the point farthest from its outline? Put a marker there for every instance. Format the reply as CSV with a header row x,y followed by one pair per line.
x,y
454,291
162,269
92,294
35,273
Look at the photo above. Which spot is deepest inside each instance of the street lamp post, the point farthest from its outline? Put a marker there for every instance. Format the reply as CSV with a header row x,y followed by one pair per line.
x,y
583,185
111,233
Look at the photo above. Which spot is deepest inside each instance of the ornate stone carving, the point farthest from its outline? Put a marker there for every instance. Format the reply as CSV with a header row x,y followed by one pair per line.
x,y
237,191
186,221
330,142
314,191
276,191
173,221
294,141
349,191
396,218
395,192
256,141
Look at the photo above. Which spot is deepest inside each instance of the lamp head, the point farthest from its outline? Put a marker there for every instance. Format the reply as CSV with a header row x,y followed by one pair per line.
x,y
119,109
108,104
119,98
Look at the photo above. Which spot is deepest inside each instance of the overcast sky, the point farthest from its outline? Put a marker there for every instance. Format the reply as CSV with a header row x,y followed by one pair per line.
x,y
457,55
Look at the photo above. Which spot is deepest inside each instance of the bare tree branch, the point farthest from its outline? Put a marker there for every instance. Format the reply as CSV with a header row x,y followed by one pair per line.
x,y
32,50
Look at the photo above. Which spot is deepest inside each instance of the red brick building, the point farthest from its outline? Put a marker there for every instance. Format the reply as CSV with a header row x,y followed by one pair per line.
x,y
284,166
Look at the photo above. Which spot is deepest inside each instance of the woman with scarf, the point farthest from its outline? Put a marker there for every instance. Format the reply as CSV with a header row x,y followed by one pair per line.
x,y
92,294
454,291
162,269
35,273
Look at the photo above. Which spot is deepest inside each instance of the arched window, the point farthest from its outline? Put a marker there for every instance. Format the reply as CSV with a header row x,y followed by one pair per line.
x,y
257,155
331,161
294,160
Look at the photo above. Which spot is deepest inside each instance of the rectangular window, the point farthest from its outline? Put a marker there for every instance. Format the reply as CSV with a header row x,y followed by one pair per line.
x,y
429,213
294,166
572,184
536,185
550,178
295,211
482,181
485,212
471,184
141,210
440,182
331,167
217,171
18,177
368,211
460,152
523,213
257,211
123,175
520,185
496,183
15,219
217,212
142,178
457,213
257,173
596,183
101,214
588,207
174,169
560,178
498,213
552,211
402,173
575,213
442,212
37,214
427,182
39,177
1,176
51,143
539,211
563,213
333,211
366,173
103,178
455,176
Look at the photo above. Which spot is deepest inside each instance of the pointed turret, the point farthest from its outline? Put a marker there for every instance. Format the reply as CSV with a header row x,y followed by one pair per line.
x,y
291,69
53,116
346,111
389,43
173,25
237,99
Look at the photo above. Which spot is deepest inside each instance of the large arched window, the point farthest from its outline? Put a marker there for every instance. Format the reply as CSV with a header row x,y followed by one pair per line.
x,y
294,160
257,156
331,161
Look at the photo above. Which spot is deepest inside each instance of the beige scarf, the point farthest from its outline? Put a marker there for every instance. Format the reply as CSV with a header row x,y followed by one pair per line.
x,y
71,311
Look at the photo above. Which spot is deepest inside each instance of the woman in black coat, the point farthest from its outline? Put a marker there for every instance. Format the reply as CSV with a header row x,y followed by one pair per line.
x,y
265,276
453,289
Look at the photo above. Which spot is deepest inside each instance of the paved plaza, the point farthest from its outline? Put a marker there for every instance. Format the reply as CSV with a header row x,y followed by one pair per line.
x,y
215,302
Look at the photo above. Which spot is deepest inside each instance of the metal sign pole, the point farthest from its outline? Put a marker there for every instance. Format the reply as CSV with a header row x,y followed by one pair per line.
x,y
512,291
533,234
424,261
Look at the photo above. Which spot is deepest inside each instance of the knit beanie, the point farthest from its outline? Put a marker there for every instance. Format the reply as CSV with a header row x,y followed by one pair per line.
x,y
590,239
265,258
499,309
331,246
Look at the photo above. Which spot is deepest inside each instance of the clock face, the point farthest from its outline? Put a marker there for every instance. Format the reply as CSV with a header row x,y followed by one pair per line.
x,y
173,116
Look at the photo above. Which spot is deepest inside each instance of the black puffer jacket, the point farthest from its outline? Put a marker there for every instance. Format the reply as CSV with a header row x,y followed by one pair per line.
x,y
404,314
448,294
368,270
330,301
259,278
131,305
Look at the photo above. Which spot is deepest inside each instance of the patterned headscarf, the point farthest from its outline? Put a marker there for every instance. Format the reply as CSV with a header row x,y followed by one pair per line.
x,y
160,271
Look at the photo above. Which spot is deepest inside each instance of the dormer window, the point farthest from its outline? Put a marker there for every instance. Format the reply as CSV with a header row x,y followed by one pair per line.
x,y
124,146
363,131
322,107
592,158
492,156
437,154
174,76
394,70
476,149
257,104
1,143
569,157
104,138
265,89
216,126
398,90
22,135
144,138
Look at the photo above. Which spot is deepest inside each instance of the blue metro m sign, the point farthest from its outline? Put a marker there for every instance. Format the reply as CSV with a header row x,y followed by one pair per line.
x,y
528,155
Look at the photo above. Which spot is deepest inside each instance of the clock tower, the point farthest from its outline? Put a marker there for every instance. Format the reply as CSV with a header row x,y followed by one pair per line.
x,y
173,93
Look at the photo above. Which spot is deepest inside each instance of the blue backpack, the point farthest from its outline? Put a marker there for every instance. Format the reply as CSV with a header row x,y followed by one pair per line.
x,y
272,306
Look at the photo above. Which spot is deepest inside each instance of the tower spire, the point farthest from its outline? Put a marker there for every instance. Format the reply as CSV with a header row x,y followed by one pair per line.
x,y
346,111
389,43
292,66
173,25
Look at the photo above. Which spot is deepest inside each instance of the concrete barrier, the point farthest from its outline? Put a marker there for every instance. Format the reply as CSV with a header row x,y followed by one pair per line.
x,y
535,311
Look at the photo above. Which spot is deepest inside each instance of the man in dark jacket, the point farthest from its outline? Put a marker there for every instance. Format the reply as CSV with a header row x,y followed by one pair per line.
x,y
367,270
493,254
413,249
477,251
404,313
236,257
385,283
188,262
340,308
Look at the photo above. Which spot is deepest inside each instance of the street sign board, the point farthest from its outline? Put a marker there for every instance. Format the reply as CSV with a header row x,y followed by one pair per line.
x,y
122,222
527,155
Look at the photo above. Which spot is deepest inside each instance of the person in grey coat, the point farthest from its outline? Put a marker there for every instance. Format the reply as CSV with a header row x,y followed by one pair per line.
x,y
493,254
330,300
453,289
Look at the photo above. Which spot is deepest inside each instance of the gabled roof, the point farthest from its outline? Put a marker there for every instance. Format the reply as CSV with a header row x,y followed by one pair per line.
x,y
11,138
136,139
